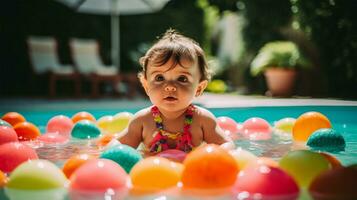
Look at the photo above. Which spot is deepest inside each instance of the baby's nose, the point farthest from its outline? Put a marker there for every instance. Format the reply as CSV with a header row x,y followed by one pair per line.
x,y
170,88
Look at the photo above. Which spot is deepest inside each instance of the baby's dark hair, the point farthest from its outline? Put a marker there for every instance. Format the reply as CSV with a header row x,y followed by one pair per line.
x,y
177,47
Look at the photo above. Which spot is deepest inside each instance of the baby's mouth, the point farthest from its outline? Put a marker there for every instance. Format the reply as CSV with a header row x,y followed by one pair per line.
x,y
170,98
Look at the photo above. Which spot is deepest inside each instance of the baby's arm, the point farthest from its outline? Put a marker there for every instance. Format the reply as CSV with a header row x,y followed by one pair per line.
x,y
132,135
212,133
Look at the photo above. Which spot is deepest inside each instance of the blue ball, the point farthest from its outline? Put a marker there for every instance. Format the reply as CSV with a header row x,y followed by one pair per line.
x,y
85,129
326,140
124,155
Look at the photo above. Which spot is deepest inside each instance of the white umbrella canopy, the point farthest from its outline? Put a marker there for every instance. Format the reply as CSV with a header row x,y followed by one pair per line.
x,y
115,8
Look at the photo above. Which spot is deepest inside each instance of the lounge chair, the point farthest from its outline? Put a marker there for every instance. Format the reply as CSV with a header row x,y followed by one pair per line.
x,y
44,60
85,55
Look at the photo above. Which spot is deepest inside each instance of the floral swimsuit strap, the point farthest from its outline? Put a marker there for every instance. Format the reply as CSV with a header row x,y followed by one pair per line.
x,y
184,140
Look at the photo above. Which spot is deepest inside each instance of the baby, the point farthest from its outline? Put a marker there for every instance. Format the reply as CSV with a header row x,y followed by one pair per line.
x,y
174,72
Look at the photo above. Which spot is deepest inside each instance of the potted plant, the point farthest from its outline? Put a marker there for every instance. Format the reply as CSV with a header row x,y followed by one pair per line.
x,y
279,61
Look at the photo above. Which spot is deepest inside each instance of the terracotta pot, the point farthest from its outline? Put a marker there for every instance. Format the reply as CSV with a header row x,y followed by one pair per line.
x,y
280,81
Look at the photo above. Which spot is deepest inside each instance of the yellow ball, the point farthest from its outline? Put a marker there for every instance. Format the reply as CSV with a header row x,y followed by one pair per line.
x,y
116,123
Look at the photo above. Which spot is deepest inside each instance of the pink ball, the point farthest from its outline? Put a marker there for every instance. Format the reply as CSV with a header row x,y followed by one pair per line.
x,y
7,134
53,138
97,177
173,154
13,154
256,128
60,124
268,182
228,125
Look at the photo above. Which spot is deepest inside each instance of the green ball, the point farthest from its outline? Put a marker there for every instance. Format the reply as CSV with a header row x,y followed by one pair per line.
x,y
326,140
124,155
85,129
37,175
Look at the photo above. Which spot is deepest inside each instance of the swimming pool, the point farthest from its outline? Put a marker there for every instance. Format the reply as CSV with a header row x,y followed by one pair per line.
x,y
343,119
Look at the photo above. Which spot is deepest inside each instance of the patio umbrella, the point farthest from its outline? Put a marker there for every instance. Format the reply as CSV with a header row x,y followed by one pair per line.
x,y
114,8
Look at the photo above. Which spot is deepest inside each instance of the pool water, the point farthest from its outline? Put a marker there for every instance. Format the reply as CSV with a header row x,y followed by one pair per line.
x,y
342,118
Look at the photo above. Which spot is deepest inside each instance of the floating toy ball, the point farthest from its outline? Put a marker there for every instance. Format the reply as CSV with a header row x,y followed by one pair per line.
x,y
4,123
116,123
85,129
228,124
74,162
243,157
332,160
326,139
209,167
307,123
13,154
7,134
98,177
83,115
60,124
338,183
256,128
13,118
36,179
26,131
285,125
53,138
104,140
266,182
153,174
124,155
304,165
3,179
173,155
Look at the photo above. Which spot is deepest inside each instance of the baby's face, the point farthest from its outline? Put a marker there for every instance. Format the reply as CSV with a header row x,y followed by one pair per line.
x,y
173,89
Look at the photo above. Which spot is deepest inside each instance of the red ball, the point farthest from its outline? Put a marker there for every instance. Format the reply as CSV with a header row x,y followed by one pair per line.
x,y
13,154
7,134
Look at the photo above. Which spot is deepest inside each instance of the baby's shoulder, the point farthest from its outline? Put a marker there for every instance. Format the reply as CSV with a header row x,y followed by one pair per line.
x,y
143,114
203,114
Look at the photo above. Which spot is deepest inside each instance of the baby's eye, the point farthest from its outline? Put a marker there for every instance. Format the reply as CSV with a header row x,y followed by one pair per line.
x,y
159,77
183,79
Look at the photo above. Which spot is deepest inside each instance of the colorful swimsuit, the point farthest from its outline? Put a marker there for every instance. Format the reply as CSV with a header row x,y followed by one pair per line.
x,y
184,139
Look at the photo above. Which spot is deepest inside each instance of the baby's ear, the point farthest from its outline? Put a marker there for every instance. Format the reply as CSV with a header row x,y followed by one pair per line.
x,y
143,82
201,87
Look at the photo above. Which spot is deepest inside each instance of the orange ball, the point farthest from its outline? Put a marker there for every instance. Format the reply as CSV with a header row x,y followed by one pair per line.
x,y
83,115
74,162
26,131
335,163
209,167
105,139
308,123
13,118
3,179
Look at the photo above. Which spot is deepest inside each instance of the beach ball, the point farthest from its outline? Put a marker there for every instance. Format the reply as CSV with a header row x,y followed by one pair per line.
x,y
4,123
13,118
53,138
13,154
228,125
337,183
326,139
60,124
74,162
3,179
7,134
308,123
332,160
83,115
36,179
98,176
126,156
173,155
243,157
265,182
209,167
26,131
304,165
85,129
256,128
153,174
